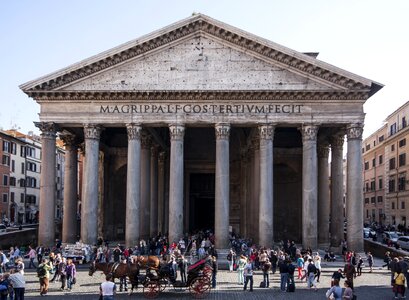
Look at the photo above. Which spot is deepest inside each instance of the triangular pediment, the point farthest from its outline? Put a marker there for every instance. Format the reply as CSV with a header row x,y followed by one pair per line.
x,y
197,63
200,54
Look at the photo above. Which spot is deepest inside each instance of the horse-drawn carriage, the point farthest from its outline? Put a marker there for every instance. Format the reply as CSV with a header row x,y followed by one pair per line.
x,y
198,280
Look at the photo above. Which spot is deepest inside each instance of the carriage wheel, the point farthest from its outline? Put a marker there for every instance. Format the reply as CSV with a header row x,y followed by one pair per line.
x,y
151,289
207,272
200,287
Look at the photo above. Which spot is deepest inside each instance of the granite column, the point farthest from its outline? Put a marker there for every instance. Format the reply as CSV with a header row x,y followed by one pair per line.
x,y
323,195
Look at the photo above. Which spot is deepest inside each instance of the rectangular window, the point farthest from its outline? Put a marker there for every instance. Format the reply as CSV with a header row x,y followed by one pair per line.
x,y
381,138
402,205
393,205
367,213
12,196
22,182
373,162
404,122
366,200
392,164
366,165
13,165
5,197
373,185
391,185
5,180
380,199
12,181
393,148
6,160
402,159
373,200
21,198
13,148
393,129
380,159
402,142
402,182
380,183
23,151
367,147
6,146
367,186
23,170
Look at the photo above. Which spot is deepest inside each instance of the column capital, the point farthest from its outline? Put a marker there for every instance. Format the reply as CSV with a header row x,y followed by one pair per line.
x,y
134,131
337,141
354,131
222,131
162,157
48,129
68,139
146,141
266,131
92,131
255,143
323,150
309,132
177,131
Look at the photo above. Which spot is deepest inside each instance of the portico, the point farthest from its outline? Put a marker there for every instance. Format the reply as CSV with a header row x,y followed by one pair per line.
x,y
201,117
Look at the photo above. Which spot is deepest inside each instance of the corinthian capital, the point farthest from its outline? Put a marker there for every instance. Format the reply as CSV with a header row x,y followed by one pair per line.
x,y
266,131
323,150
354,131
48,130
68,139
337,141
222,131
177,131
146,141
162,157
92,131
309,132
134,131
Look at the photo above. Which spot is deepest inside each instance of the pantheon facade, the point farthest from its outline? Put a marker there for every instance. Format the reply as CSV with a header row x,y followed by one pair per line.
x,y
201,125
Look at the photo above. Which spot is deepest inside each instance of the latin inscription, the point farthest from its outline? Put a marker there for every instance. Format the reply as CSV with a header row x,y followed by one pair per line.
x,y
202,109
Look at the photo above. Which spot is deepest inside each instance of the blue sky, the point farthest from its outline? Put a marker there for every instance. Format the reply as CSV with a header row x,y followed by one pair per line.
x,y
366,37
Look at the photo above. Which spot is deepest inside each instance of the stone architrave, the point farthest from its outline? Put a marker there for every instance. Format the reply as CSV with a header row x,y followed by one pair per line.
x,y
177,132
154,192
309,185
323,194
145,185
89,211
266,238
354,203
46,229
69,224
222,193
337,192
133,185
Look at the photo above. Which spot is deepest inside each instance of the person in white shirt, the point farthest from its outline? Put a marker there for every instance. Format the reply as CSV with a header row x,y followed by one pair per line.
x,y
19,284
107,289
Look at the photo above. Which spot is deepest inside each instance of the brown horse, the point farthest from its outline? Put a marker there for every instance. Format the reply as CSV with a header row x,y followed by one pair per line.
x,y
117,270
150,262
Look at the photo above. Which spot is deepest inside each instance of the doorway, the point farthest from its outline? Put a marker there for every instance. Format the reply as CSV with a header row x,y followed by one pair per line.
x,y
201,201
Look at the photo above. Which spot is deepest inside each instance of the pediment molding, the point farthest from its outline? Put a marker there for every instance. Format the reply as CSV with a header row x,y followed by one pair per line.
x,y
199,95
201,24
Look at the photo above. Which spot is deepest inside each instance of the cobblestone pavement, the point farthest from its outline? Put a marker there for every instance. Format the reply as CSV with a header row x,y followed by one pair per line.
x,y
368,286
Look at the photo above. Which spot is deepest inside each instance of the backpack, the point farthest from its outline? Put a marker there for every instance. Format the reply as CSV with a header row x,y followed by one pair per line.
x,y
41,271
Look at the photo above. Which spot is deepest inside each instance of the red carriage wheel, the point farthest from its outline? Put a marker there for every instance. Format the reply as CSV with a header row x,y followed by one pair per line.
x,y
151,289
207,272
200,287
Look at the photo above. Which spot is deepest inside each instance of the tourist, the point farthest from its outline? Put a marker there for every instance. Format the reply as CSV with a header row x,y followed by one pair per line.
x,y
61,270
369,258
19,264
348,293
107,289
117,253
283,268
317,263
266,269
350,273
311,271
248,275
335,291
231,259
18,282
360,265
43,273
337,275
31,255
300,266
214,271
3,262
399,284
70,272
240,269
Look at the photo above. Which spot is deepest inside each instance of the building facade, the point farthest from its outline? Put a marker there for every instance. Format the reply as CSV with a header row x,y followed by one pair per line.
x,y
375,176
5,153
202,125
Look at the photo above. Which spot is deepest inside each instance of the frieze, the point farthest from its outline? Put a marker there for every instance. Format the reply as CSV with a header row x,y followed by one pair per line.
x,y
222,131
202,25
354,131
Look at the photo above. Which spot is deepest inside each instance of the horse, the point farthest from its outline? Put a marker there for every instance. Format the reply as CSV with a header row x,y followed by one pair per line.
x,y
150,262
117,270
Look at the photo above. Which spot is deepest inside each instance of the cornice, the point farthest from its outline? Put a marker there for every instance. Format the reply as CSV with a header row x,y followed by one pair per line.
x,y
199,25
199,95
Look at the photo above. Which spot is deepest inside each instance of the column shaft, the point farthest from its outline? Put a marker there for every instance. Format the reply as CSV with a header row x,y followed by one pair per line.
x,y
243,195
154,192
89,213
337,192
323,195
255,191
222,216
354,205
133,186
309,183
266,186
161,192
69,224
176,183
145,186
46,228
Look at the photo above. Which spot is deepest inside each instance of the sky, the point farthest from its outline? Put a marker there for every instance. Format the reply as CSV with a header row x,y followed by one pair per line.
x,y
367,37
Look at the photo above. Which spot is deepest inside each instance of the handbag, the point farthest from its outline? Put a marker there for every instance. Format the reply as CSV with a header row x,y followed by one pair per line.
x,y
74,280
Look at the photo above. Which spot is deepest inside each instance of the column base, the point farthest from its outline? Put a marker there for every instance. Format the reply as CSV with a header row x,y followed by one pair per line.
x,y
222,262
